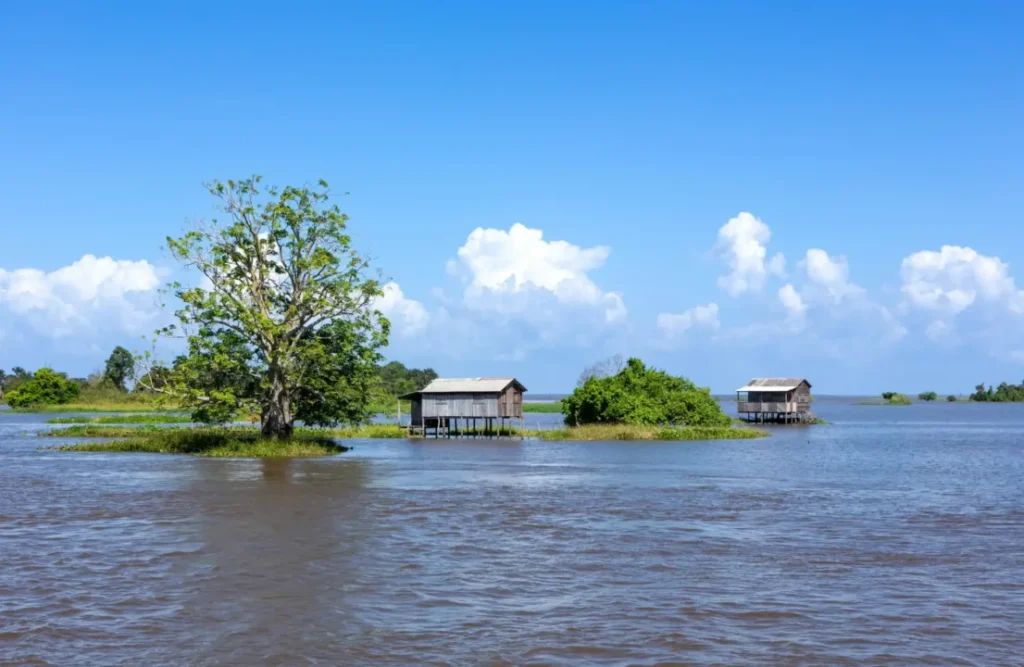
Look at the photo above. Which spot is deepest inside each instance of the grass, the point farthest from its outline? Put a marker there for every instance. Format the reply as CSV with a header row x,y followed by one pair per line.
x,y
124,419
554,406
112,406
607,432
210,442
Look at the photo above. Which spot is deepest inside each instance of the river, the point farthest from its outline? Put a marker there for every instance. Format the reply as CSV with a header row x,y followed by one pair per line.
x,y
894,536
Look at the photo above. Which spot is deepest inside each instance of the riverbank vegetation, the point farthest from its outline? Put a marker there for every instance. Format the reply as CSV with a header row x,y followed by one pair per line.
x,y
1004,393
927,396
124,419
553,407
211,442
613,432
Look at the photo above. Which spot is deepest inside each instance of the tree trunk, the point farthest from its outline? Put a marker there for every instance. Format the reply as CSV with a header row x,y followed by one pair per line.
x,y
277,414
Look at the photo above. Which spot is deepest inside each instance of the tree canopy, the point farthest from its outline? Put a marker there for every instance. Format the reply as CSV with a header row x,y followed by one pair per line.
x,y
928,396
640,395
396,379
45,387
284,323
119,368
1004,393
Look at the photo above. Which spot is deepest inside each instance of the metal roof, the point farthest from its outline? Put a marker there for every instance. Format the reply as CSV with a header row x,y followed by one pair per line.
x,y
773,384
468,386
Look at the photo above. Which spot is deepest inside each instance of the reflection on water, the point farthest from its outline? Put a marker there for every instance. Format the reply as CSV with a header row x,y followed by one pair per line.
x,y
892,537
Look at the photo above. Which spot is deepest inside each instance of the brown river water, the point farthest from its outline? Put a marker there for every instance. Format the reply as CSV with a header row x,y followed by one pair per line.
x,y
894,536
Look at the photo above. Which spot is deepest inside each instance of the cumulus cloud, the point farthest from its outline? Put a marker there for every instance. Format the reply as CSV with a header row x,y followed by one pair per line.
x,y
829,275
408,317
676,324
743,243
94,293
792,302
953,278
504,269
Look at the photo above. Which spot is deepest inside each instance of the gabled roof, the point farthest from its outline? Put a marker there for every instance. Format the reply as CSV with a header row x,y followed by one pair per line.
x,y
773,384
468,386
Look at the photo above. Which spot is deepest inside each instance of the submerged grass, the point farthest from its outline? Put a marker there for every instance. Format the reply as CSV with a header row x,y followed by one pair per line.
x,y
213,442
243,441
606,432
111,406
124,419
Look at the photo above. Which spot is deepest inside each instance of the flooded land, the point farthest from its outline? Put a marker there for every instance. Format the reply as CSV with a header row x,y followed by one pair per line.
x,y
893,536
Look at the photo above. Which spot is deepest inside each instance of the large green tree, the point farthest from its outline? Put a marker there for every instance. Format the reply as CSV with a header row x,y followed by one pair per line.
x,y
637,394
284,323
46,387
119,368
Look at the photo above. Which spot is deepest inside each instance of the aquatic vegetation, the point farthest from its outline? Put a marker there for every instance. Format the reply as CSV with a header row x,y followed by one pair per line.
x,y
124,419
607,432
212,442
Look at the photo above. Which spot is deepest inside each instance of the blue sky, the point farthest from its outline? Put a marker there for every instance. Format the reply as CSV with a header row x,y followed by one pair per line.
x,y
870,134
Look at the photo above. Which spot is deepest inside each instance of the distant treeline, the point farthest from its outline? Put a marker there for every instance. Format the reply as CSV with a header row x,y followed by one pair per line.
x,y
1004,393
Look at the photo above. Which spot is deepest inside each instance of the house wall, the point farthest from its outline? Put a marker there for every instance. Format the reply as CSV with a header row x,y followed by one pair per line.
x,y
510,403
457,405
802,396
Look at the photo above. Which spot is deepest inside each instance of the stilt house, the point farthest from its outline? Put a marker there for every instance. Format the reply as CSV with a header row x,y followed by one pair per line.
x,y
775,399
480,403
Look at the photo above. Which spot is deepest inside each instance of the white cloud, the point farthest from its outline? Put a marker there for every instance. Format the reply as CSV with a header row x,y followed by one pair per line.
x,y
955,277
90,294
743,242
504,268
676,324
940,332
408,317
792,302
830,274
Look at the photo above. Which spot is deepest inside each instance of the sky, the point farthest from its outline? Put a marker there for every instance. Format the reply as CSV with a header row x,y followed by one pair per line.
x,y
725,190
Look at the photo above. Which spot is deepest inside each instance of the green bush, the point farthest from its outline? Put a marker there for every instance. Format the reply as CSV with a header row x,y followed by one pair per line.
x,y
898,399
640,395
46,387
928,396
951,398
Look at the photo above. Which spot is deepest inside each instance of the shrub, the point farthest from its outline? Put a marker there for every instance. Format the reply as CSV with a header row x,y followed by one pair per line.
x,y
641,395
898,399
951,398
46,387
928,396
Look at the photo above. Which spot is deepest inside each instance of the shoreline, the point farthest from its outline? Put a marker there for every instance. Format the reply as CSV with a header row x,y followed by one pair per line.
x,y
242,441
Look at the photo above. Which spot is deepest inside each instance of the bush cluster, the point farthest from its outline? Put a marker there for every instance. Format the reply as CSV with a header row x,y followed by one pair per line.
x,y
641,395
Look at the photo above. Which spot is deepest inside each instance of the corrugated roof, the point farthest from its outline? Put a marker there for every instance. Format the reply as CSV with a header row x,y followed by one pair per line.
x,y
773,384
467,386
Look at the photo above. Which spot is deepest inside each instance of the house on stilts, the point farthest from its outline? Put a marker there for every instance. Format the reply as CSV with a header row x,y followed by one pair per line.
x,y
478,406
781,400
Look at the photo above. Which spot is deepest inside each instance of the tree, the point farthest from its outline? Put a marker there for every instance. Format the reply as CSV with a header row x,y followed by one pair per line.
x,y
120,366
928,396
285,324
951,398
602,369
396,379
46,387
641,395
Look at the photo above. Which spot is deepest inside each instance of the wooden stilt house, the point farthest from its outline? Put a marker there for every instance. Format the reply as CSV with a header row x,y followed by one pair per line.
x,y
786,400
474,405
